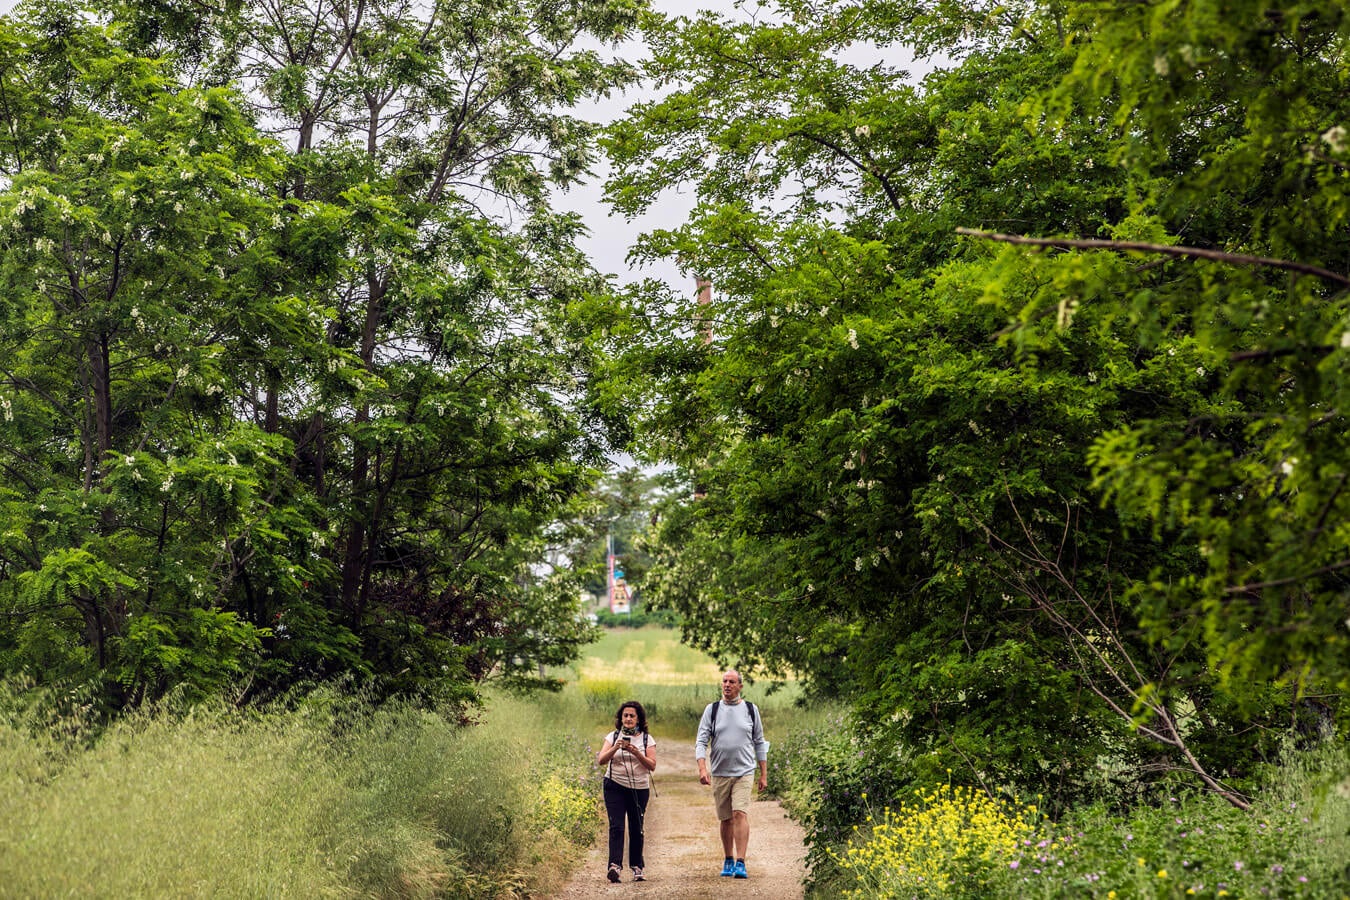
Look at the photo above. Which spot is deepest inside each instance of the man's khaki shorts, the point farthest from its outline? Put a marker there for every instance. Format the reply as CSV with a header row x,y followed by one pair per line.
x,y
731,793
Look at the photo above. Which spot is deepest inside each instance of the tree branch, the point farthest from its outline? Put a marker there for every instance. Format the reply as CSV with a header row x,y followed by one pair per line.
x,y
874,170
1080,641
1237,259
1281,582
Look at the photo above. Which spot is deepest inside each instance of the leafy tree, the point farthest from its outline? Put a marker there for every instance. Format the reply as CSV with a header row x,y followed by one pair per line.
x,y
1244,106
138,236
994,497
295,412
454,430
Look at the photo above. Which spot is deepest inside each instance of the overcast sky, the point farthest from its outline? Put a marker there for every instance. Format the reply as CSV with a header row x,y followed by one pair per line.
x,y
611,234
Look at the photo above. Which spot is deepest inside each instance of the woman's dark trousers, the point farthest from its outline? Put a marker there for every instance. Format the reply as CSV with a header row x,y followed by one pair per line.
x,y
622,801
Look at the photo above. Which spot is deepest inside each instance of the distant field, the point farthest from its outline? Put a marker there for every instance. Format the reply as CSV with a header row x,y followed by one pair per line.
x,y
650,655
672,681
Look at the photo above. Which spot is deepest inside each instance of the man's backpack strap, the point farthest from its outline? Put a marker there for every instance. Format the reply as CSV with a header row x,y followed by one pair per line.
x,y
712,719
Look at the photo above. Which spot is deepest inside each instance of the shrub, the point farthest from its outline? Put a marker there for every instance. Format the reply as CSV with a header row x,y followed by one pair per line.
x,y
823,773
950,842
603,694
638,618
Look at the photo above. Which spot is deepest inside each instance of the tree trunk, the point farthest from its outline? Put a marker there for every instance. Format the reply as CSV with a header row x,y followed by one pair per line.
x,y
362,531
271,415
101,387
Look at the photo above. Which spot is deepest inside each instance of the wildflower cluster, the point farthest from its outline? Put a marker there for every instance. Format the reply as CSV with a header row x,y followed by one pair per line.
x,y
1192,846
947,843
564,806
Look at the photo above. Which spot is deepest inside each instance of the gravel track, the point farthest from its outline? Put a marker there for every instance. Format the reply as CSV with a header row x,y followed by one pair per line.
x,y
684,852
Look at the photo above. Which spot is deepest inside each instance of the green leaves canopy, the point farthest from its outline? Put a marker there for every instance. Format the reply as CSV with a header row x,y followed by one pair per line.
x,y
294,413
987,492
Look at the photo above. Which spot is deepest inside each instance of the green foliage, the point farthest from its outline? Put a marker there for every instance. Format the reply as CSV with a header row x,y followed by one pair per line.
x,y
639,616
1039,515
871,838
271,413
1294,845
202,655
825,776
618,510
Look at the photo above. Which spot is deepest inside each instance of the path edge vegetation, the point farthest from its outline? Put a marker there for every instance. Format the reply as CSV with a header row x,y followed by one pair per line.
x,y
1017,418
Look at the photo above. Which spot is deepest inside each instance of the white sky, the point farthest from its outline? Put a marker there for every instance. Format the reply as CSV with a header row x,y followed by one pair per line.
x,y
611,234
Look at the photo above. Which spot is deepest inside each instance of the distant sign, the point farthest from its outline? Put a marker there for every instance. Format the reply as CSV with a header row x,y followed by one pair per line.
x,y
618,598
618,588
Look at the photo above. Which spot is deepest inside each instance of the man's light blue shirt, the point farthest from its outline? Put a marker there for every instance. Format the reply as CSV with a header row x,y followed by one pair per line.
x,y
738,744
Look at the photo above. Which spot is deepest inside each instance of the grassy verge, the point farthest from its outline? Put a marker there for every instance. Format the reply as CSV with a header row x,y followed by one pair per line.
x,y
328,798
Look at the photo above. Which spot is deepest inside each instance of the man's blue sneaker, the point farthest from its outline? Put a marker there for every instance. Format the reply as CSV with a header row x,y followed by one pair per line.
x,y
729,867
738,870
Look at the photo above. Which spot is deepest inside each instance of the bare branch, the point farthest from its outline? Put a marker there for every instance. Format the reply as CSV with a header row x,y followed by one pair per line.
x,y
1281,582
1237,259
1114,661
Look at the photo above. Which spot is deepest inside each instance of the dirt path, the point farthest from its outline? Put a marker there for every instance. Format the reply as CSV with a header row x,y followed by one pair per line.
x,y
684,853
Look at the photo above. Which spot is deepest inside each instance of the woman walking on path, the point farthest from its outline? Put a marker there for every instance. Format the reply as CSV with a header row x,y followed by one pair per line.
x,y
629,757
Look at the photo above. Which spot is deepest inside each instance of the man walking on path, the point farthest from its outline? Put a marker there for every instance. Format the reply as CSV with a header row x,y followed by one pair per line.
x,y
731,738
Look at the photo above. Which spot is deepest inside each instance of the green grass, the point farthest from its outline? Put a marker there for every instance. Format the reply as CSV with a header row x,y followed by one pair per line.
x,y
648,656
328,795
673,682
332,798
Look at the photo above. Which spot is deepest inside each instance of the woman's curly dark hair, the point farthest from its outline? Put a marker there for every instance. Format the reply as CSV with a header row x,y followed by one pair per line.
x,y
641,714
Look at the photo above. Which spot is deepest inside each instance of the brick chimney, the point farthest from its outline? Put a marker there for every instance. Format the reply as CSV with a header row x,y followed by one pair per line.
x,y
704,314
